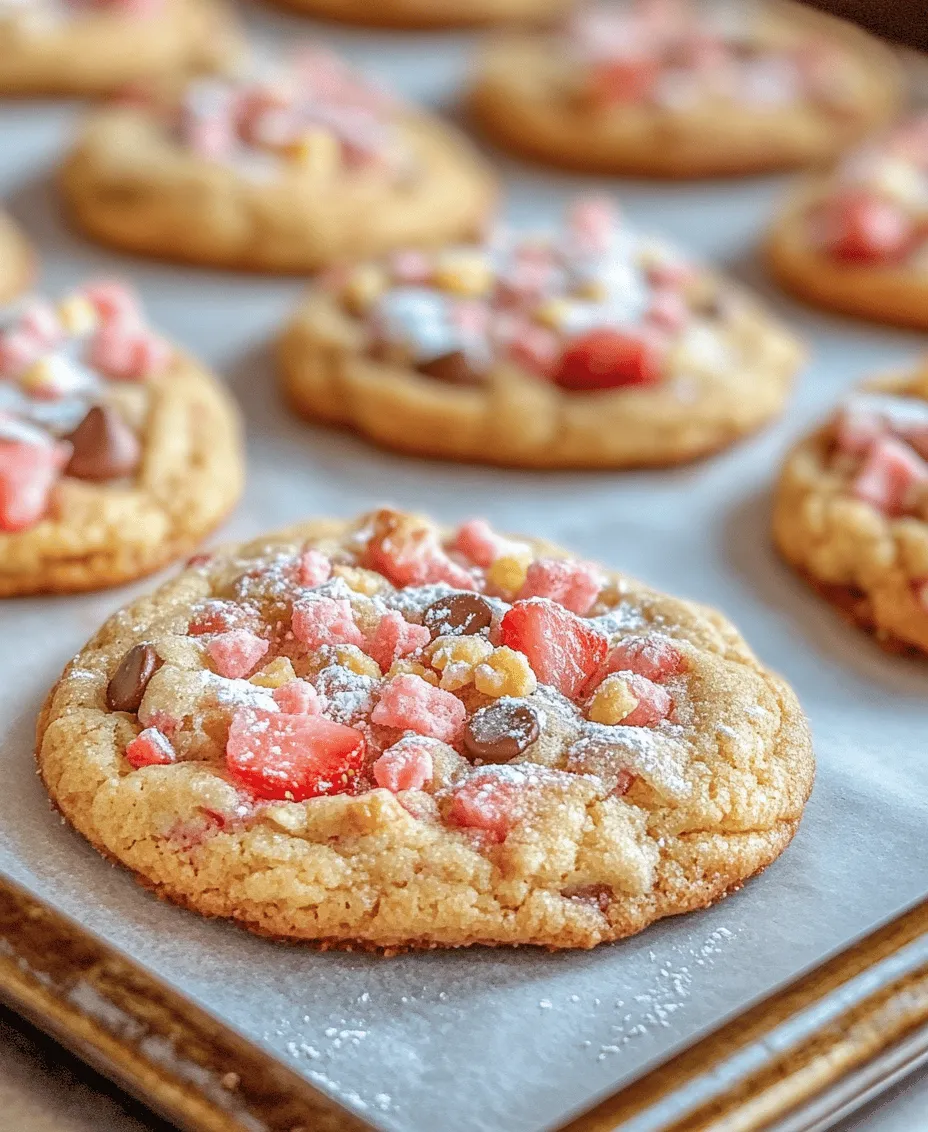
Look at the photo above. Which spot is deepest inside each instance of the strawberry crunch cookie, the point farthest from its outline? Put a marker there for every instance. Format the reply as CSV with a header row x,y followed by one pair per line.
x,y
17,262
92,47
595,347
856,240
117,452
678,88
284,173
383,733
852,509
431,13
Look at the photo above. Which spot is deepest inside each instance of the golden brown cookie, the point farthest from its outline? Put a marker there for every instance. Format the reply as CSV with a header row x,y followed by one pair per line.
x,y
17,260
431,13
851,509
118,453
593,348
386,734
66,48
283,174
856,240
713,90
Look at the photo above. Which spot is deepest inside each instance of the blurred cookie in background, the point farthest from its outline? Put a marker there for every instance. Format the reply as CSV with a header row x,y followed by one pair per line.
x,y
17,260
594,347
427,14
686,89
282,172
68,47
856,240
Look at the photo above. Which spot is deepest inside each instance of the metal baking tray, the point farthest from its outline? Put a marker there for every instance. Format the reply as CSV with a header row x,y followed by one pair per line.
x,y
485,1040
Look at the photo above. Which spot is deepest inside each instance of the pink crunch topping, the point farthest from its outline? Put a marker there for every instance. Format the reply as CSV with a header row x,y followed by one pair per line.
x,y
235,653
150,748
405,766
319,621
572,583
409,703
395,637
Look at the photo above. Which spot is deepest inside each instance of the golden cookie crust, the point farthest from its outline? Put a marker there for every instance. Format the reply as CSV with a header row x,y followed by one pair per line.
x,y
17,261
190,477
520,421
100,52
431,13
129,185
894,295
862,562
511,104
362,871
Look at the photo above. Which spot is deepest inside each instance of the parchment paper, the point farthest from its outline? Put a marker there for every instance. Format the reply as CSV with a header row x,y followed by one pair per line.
x,y
482,1040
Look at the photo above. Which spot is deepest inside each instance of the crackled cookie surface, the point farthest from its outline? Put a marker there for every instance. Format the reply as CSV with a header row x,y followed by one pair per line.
x,y
117,452
590,347
284,172
857,240
431,13
72,47
686,89
385,733
852,509
17,262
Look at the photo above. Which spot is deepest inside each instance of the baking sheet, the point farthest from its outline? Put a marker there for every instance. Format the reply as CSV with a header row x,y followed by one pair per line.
x,y
485,1040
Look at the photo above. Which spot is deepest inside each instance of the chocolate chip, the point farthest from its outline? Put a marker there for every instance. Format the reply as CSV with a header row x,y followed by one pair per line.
x,y
457,615
500,731
127,687
104,446
455,368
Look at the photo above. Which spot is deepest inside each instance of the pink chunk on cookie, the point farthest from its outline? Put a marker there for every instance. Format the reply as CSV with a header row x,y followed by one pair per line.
x,y
407,765
572,583
654,656
319,621
314,569
298,697
410,703
235,653
395,637
150,748
486,803
889,475
28,472
563,650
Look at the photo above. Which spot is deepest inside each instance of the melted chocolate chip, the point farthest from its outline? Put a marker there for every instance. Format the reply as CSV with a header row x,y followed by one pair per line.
x,y
103,446
455,368
457,615
127,687
500,731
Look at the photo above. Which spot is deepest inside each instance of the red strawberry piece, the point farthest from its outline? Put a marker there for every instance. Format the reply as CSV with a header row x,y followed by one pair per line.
x,y
856,429
150,748
411,555
610,359
293,757
622,81
407,765
487,803
478,542
235,653
654,703
860,227
28,472
889,475
395,637
655,657
563,649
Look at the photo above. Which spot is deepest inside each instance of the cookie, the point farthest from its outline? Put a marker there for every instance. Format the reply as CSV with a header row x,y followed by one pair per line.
x,y
686,90
285,173
851,511
17,263
856,240
67,47
431,13
592,347
118,453
383,733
